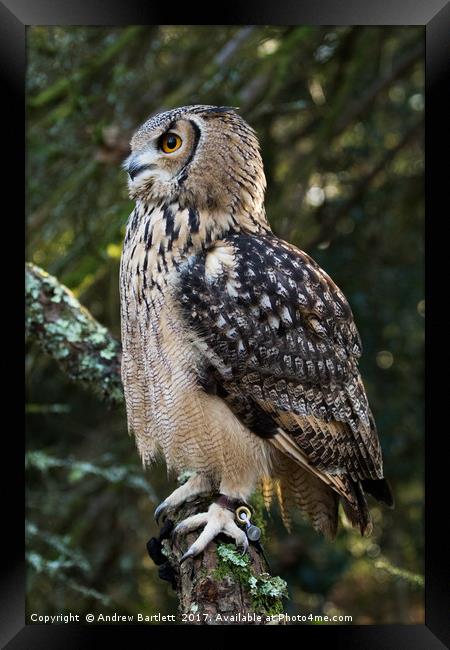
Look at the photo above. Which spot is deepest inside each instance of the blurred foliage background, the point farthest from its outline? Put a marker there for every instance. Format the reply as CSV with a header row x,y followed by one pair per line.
x,y
339,113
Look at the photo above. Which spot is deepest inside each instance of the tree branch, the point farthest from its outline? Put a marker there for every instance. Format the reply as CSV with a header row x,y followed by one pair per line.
x,y
65,330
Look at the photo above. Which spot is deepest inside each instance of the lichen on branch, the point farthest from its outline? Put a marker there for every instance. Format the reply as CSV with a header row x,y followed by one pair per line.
x,y
266,591
65,330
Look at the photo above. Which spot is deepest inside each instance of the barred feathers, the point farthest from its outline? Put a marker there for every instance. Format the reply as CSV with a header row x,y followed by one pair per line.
x,y
240,354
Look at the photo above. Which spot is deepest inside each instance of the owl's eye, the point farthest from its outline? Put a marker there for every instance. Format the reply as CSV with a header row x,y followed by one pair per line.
x,y
170,142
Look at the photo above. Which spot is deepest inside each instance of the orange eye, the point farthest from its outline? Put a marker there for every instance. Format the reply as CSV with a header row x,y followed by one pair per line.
x,y
170,142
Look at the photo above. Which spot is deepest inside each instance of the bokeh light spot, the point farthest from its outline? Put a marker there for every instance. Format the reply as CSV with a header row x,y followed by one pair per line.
x,y
385,359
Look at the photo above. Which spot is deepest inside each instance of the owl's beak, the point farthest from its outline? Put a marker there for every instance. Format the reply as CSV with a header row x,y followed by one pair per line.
x,y
135,164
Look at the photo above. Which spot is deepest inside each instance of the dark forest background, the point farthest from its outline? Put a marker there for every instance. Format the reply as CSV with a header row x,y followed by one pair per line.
x,y
339,113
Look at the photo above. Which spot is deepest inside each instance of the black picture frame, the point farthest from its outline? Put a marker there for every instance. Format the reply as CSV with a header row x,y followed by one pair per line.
x,y
15,16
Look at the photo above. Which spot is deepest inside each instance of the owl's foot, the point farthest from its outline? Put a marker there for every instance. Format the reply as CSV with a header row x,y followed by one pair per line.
x,y
216,520
194,487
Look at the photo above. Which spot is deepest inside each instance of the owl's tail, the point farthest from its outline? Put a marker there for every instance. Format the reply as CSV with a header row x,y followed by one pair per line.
x,y
317,493
359,517
298,489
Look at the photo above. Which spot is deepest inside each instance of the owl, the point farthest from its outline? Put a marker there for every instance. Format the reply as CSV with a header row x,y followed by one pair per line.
x,y
240,354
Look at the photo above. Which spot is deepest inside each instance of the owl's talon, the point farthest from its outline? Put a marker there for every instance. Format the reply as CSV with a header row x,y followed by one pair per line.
x,y
244,546
176,531
160,511
217,520
189,553
192,489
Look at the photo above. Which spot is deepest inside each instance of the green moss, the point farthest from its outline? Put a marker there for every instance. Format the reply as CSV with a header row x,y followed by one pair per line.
x,y
266,591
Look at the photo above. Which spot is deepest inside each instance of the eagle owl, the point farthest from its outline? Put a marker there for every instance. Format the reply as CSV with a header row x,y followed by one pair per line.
x,y
240,354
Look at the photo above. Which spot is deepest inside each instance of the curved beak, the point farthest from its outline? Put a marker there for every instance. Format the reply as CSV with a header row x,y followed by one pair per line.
x,y
135,164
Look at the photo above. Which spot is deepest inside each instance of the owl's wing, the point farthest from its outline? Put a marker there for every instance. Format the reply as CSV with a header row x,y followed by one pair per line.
x,y
280,342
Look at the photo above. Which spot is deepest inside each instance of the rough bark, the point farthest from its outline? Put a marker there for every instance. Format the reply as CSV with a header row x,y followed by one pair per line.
x,y
219,586
65,330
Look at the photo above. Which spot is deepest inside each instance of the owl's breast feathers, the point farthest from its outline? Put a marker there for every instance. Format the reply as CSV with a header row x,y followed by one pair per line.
x,y
281,348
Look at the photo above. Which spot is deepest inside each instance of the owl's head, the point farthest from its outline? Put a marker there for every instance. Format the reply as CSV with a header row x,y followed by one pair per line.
x,y
205,157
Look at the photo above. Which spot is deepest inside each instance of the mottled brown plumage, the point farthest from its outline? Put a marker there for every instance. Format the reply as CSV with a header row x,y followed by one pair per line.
x,y
240,354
